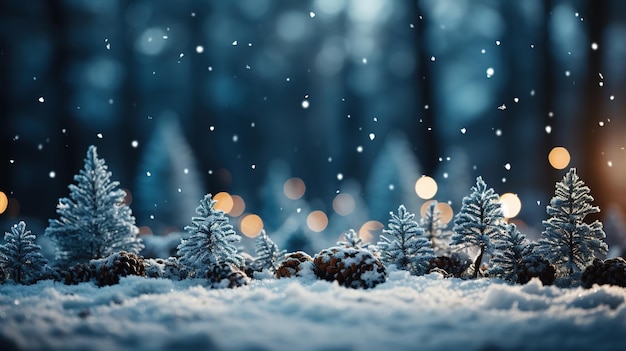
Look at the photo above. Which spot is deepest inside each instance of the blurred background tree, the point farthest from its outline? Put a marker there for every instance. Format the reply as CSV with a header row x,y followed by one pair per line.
x,y
340,91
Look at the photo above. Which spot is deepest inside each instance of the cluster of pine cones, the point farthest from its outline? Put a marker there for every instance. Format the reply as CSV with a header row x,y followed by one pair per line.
x,y
107,271
350,267
611,271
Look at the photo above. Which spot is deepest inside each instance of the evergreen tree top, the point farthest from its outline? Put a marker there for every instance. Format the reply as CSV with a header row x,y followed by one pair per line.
x,y
403,224
571,197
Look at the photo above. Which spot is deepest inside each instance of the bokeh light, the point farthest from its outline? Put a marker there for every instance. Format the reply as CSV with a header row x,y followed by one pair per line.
x,y
294,188
250,225
4,202
445,211
426,187
559,157
224,201
238,206
317,221
511,205
369,229
343,204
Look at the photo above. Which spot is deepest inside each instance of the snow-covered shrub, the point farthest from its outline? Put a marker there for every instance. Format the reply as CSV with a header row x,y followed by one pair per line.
x,y
406,246
509,250
108,270
454,265
94,222
20,257
611,271
268,256
478,222
211,241
164,268
295,264
434,230
567,241
226,275
351,239
350,267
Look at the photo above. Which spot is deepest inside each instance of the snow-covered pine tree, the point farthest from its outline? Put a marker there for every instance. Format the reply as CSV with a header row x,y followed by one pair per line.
x,y
211,241
408,249
94,222
434,230
567,241
268,256
478,222
20,257
352,239
509,250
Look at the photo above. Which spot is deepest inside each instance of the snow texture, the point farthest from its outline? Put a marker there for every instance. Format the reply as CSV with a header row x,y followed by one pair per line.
x,y
404,313
405,246
20,257
94,222
567,241
211,241
479,221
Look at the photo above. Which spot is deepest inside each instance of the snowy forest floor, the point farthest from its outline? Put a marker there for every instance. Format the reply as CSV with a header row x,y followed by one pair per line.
x,y
406,312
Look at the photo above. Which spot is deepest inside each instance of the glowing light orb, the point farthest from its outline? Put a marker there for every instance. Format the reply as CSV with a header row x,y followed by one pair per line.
x,y
238,206
251,225
294,188
317,221
224,201
369,228
426,187
4,202
343,204
559,157
511,205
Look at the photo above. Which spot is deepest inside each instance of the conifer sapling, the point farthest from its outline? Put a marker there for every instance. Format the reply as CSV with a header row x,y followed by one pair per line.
x,y
94,222
267,252
567,241
434,230
20,256
509,251
478,222
406,246
210,244
352,239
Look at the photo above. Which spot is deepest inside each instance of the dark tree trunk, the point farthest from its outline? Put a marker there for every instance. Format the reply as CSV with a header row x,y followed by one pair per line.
x,y
478,262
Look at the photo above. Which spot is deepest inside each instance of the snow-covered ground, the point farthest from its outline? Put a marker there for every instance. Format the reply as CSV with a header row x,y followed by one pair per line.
x,y
404,313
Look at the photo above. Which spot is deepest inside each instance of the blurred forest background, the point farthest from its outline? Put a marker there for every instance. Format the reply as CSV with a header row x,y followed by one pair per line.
x,y
313,117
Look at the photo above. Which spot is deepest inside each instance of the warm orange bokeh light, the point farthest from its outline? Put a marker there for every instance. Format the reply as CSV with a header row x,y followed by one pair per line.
x,y
559,157
367,228
224,201
4,202
445,211
294,188
343,204
238,206
251,225
317,221
511,205
426,187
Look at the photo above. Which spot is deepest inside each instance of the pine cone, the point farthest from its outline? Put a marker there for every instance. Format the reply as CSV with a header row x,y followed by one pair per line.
x,y
80,273
611,271
3,275
164,268
353,268
226,275
118,265
291,266
535,266
454,265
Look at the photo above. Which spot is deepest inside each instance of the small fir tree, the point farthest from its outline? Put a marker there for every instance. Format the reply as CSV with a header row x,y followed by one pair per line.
x,y
211,241
352,239
509,250
567,241
434,230
408,249
478,222
268,256
94,222
21,257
